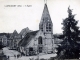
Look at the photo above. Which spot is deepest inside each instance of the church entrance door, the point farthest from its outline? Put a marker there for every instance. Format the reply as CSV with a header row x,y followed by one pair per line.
x,y
40,44
40,49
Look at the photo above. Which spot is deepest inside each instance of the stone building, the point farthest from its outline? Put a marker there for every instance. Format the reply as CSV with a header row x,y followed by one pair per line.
x,y
14,40
40,41
4,40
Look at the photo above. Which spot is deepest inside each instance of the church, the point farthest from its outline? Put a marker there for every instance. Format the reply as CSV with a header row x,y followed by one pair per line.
x,y
40,41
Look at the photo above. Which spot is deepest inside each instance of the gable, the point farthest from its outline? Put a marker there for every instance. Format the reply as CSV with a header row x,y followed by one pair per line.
x,y
39,33
34,40
27,38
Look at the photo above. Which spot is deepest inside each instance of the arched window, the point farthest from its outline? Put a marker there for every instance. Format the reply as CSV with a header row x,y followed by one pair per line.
x,y
41,27
40,40
30,49
48,27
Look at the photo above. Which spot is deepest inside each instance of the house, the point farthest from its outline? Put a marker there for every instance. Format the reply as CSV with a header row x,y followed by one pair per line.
x,y
14,40
40,41
4,38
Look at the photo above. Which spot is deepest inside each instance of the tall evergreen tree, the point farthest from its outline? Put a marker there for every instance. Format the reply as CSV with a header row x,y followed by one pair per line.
x,y
69,48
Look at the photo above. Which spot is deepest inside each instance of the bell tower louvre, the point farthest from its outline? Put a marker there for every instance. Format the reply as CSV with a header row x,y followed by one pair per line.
x,y
46,25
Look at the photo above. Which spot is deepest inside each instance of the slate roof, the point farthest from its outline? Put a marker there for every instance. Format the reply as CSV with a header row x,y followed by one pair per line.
x,y
15,35
45,15
27,38
6,34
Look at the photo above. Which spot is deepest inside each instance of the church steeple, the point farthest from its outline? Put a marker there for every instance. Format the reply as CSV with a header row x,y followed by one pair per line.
x,y
46,23
45,14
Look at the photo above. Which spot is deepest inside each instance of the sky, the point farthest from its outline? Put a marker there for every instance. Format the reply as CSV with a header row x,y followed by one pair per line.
x,y
19,14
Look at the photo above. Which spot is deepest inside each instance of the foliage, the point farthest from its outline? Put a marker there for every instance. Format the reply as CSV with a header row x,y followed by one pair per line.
x,y
69,48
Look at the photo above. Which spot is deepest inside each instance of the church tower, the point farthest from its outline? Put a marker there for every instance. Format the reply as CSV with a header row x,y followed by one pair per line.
x,y
46,26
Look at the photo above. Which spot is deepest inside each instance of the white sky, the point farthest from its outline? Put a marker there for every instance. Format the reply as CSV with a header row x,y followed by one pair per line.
x,y
17,18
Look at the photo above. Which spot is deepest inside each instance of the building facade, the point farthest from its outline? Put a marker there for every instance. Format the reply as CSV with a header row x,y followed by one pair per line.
x,y
40,41
14,40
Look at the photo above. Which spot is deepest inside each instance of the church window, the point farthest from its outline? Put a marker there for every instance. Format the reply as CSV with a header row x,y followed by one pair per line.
x,y
30,49
42,27
43,19
48,27
40,40
47,30
49,24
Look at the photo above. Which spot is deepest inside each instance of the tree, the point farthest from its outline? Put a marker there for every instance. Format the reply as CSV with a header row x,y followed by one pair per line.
x,y
69,48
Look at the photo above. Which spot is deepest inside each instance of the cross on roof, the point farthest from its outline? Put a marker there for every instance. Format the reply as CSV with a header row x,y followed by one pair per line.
x,y
45,1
